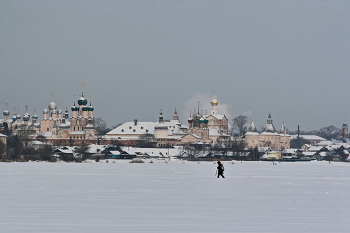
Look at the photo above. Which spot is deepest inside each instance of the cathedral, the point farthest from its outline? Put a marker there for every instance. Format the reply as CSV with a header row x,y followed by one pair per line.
x,y
55,123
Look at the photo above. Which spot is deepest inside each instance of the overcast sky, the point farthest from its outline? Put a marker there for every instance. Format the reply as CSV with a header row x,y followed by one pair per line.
x,y
287,58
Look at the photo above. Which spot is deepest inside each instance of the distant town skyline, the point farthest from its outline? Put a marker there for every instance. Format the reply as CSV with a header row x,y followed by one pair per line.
x,y
287,58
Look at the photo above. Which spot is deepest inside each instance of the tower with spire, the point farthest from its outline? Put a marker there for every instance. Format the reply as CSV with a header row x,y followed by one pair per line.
x,y
215,120
161,130
345,130
269,128
214,103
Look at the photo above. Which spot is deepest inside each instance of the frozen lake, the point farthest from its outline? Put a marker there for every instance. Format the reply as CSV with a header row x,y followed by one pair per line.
x,y
174,197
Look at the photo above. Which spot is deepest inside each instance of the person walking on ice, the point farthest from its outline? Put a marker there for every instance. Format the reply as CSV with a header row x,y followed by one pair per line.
x,y
221,169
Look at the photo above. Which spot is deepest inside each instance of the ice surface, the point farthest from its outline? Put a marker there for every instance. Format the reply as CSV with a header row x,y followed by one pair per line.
x,y
174,197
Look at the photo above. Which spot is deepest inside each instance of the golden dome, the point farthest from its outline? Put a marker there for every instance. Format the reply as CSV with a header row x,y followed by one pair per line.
x,y
214,102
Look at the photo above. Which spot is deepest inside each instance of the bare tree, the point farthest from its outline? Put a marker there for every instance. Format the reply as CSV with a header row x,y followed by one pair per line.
x,y
223,144
298,142
14,147
147,140
81,150
329,132
239,124
194,150
238,144
100,126
2,149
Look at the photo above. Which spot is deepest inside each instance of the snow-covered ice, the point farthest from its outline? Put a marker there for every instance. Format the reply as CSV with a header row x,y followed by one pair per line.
x,y
174,197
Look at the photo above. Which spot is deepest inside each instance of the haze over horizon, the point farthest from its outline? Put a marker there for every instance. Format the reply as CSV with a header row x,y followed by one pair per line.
x,y
287,58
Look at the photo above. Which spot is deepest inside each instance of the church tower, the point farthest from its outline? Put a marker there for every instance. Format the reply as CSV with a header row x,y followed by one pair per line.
x,y
176,117
269,125
82,120
345,130
214,103
161,130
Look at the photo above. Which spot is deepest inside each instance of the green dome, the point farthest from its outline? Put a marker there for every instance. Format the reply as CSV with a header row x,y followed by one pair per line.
x,y
82,101
75,108
85,109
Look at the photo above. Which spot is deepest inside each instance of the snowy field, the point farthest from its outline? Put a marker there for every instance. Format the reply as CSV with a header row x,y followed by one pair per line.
x,y
174,197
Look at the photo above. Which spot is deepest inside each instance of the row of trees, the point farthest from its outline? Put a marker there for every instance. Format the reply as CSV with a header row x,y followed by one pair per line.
x,y
18,147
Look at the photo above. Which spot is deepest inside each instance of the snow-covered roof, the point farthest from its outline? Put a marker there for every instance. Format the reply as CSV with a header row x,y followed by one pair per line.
x,y
93,149
39,143
147,127
114,152
309,137
218,116
131,128
3,135
323,153
65,150
315,148
289,151
325,143
269,133
308,153
154,152
194,135
269,156
252,133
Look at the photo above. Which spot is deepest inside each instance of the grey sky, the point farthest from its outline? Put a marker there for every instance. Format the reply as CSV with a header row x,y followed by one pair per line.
x,y
289,58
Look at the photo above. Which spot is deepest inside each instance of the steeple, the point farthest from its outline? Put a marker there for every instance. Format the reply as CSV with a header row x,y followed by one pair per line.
x,y
82,100
161,120
176,116
161,130
214,103
269,128
345,130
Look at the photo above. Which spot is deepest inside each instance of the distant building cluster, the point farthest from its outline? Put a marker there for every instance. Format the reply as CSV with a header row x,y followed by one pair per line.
x,y
269,137
202,128
55,123
201,132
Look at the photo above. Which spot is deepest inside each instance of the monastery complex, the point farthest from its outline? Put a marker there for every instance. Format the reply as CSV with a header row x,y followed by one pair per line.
x,y
77,124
